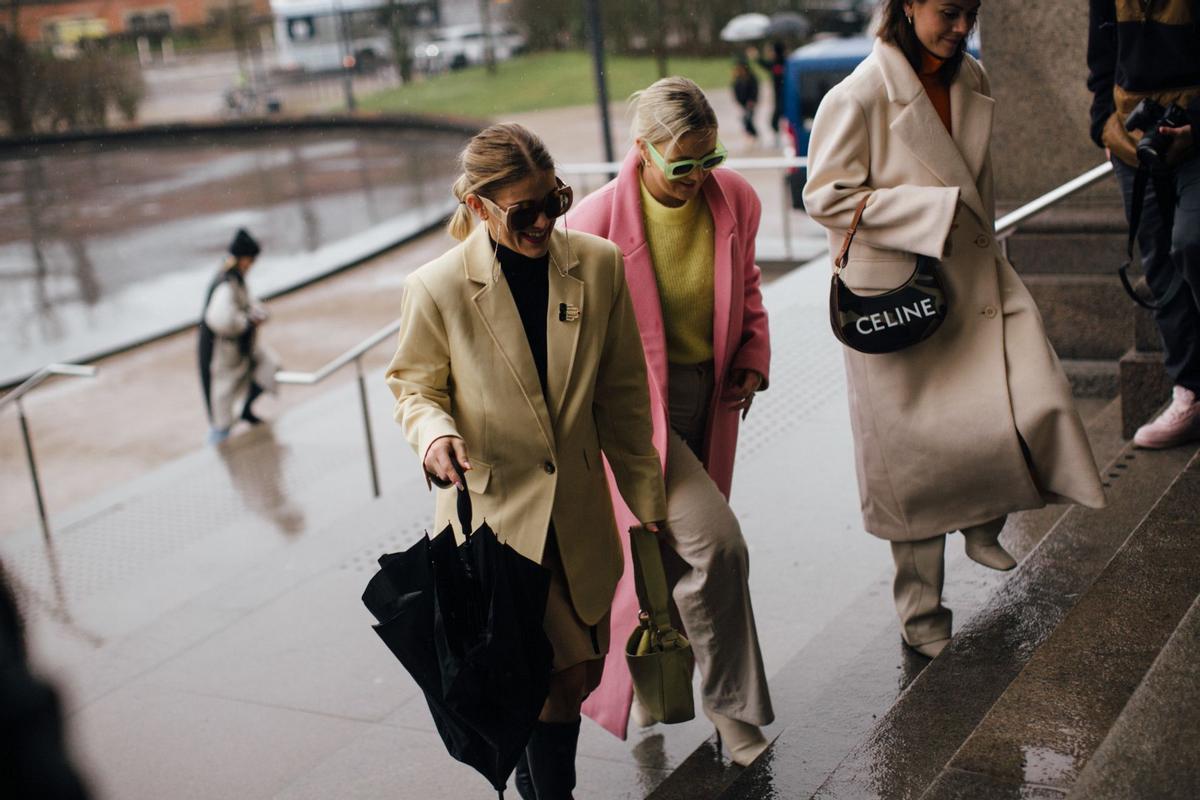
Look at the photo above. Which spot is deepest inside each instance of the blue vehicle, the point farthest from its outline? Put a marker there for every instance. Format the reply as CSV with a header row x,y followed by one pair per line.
x,y
811,72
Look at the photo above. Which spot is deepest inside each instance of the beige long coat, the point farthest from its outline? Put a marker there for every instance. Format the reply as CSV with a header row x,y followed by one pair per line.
x,y
938,427
230,314
463,367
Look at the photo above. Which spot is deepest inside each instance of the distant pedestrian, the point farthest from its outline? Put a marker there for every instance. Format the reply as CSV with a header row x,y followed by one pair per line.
x,y
688,231
745,91
519,360
235,367
956,432
776,67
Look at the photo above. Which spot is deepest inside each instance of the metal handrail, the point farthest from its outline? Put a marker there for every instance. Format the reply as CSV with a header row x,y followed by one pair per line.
x,y
353,355
14,398
48,371
1007,225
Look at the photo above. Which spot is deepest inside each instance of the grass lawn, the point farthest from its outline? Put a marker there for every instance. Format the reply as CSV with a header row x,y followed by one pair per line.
x,y
538,81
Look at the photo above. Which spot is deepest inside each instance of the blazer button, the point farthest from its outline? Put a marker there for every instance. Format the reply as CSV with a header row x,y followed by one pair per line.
x,y
981,240
989,312
549,467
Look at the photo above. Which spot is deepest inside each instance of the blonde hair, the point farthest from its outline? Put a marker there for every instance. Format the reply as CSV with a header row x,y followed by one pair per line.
x,y
498,156
668,109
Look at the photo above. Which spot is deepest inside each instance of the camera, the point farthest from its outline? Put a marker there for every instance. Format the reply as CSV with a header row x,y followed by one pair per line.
x,y
1148,116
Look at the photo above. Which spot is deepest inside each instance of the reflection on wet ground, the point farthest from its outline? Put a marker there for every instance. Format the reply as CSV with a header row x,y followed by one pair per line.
x,y
103,243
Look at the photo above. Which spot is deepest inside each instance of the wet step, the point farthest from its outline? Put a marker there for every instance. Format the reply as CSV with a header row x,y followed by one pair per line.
x,y
831,695
1153,749
1043,730
900,754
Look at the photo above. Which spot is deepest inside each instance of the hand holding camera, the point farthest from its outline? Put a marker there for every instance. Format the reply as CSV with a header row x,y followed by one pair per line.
x,y
1160,128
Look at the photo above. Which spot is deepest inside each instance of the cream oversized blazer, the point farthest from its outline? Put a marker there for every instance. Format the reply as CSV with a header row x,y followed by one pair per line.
x,y
463,367
938,428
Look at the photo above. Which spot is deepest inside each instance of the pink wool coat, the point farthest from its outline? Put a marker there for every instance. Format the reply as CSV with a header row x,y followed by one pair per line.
x,y
740,341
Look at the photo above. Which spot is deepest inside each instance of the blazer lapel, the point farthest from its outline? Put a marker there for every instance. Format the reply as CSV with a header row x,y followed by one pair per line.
x,y
495,305
563,321
724,246
922,132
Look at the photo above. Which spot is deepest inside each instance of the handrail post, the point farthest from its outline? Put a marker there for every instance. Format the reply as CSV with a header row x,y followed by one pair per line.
x,y
366,415
33,471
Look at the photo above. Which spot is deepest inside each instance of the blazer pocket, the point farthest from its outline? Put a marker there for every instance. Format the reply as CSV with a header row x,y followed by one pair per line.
x,y
478,476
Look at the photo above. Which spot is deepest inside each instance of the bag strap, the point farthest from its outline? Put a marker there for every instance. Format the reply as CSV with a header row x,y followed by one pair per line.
x,y
649,575
839,263
1164,196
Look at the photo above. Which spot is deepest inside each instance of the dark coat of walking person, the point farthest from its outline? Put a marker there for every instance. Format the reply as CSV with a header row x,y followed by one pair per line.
x,y
745,92
1150,52
235,367
776,67
688,230
519,359
957,431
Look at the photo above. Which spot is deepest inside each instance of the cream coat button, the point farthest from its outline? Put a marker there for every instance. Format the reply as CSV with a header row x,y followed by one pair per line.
x,y
549,467
989,312
982,241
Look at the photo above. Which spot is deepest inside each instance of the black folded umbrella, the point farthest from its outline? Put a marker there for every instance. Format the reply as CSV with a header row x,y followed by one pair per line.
x,y
466,622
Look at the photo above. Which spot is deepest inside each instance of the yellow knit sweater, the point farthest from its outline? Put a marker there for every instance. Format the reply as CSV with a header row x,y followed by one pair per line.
x,y
681,246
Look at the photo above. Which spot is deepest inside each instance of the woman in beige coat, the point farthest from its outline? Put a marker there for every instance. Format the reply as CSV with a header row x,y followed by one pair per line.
x,y
519,358
977,421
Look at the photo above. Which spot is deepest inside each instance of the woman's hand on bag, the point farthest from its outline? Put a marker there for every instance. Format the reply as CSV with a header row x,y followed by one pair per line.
x,y
743,383
441,456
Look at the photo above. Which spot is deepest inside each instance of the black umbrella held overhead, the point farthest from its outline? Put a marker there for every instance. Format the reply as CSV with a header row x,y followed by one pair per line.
x,y
466,622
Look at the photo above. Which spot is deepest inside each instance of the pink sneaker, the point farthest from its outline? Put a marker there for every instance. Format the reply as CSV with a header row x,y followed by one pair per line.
x,y
1179,424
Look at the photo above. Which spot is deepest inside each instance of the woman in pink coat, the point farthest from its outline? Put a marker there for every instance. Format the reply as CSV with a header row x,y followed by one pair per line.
x,y
687,231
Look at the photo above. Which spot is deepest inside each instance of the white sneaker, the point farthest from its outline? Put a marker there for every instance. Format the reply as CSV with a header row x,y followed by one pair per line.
x,y
1179,424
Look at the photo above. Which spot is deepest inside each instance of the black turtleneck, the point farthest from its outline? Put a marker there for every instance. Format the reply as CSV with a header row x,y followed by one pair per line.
x,y
529,281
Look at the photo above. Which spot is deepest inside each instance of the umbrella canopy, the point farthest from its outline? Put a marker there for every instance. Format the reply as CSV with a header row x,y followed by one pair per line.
x,y
466,622
788,25
745,28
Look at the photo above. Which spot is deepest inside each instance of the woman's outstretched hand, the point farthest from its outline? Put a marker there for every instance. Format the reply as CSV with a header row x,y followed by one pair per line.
x,y
440,459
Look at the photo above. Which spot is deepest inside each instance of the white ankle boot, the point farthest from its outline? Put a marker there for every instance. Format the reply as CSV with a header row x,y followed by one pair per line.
x,y
745,742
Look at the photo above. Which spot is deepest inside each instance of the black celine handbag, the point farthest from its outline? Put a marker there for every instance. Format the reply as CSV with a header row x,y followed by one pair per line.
x,y
891,321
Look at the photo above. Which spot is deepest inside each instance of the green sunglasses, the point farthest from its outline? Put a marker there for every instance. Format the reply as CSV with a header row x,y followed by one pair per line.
x,y
677,170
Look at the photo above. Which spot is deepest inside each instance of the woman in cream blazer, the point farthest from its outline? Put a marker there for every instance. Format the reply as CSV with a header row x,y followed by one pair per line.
x,y
976,421
519,358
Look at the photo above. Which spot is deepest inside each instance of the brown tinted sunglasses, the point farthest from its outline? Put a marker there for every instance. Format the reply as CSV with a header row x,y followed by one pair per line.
x,y
524,215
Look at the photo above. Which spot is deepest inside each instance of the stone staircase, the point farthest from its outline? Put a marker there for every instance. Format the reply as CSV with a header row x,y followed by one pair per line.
x,y
1073,675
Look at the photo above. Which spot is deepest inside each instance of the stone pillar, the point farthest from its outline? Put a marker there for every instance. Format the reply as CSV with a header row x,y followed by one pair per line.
x,y
1035,52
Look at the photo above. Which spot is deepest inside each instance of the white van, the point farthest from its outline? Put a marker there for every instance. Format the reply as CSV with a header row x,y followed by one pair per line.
x,y
458,46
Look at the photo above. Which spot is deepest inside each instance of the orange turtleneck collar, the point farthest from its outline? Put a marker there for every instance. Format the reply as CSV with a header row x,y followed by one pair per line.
x,y
939,94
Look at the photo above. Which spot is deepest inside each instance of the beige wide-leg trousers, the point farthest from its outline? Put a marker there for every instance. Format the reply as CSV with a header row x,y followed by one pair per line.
x,y
713,594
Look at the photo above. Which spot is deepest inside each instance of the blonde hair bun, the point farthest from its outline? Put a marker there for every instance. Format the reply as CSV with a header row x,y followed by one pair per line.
x,y
668,109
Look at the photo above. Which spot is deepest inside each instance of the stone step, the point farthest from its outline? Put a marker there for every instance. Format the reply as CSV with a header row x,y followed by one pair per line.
x,y
1086,316
1044,728
831,697
1153,749
1093,378
1070,241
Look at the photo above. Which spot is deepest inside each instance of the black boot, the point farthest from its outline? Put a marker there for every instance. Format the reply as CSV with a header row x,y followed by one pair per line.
x,y
523,781
251,396
551,758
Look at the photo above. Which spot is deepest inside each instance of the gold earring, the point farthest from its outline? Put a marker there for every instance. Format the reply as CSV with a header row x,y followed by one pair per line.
x,y
910,19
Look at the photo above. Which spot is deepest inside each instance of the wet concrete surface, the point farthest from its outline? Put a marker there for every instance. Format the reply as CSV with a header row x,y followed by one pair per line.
x,y
105,243
205,623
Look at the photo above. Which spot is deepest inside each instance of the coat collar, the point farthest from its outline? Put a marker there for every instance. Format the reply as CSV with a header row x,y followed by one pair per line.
x,y
479,254
955,160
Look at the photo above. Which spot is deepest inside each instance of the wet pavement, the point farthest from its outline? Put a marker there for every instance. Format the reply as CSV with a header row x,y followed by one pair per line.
x,y
208,613
110,242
